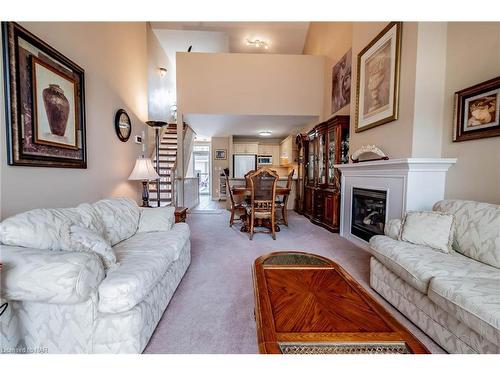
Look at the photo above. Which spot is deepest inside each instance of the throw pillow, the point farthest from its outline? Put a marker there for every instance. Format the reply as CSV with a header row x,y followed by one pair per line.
x,y
120,217
83,239
159,219
431,229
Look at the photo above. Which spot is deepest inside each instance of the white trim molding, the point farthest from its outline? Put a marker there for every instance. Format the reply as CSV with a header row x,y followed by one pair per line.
x,y
411,184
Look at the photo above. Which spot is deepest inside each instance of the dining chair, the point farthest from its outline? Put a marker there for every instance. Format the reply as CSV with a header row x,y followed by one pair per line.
x,y
234,206
282,202
247,177
262,204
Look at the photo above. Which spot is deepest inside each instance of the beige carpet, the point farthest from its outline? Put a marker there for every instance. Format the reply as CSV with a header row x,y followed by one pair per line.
x,y
212,310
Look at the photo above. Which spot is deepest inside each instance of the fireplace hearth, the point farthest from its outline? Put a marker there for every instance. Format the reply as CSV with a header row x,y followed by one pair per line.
x,y
368,212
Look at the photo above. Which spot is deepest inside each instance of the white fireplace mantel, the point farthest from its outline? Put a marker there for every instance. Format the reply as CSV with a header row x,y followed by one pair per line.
x,y
411,184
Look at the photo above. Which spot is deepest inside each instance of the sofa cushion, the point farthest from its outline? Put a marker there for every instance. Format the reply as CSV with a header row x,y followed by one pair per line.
x,y
157,219
477,229
48,229
417,264
431,229
475,301
392,228
120,218
144,259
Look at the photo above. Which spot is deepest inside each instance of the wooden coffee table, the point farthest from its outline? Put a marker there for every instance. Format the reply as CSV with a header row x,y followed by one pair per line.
x,y
308,304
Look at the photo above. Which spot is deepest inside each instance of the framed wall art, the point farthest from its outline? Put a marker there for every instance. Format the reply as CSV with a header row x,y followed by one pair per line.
x,y
477,111
45,103
341,82
377,95
220,154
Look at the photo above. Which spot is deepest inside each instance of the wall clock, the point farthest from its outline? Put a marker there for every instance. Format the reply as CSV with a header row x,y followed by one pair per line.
x,y
123,125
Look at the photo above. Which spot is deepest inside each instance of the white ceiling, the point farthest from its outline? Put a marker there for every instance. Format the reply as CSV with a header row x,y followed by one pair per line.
x,y
173,41
282,37
209,125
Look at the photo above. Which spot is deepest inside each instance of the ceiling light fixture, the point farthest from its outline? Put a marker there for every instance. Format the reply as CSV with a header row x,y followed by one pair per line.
x,y
265,133
257,43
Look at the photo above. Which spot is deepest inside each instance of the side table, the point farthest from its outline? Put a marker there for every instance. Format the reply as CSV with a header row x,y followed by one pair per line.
x,y
180,214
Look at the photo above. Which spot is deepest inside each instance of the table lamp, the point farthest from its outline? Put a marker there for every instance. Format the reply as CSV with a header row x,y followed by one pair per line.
x,y
144,171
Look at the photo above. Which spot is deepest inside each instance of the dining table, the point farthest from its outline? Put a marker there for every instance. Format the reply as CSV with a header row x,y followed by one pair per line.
x,y
247,192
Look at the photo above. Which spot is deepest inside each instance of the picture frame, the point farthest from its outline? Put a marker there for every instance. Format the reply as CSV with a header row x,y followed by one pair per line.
x,y
341,82
44,103
220,154
378,76
477,111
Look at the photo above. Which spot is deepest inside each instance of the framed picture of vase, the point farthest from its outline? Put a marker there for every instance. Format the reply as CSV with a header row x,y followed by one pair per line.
x,y
377,94
45,103
477,111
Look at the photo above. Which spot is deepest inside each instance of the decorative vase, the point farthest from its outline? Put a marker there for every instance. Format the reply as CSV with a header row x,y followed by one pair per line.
x,y
57,109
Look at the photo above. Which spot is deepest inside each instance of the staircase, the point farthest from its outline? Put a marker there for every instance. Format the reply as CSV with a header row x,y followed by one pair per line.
x,y
167,162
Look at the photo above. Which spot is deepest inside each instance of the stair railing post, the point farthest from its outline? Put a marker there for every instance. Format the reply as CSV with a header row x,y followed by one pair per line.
x,y
157,135
157,126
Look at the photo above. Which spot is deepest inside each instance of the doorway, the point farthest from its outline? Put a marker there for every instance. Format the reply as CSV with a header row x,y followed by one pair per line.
x,y
201,167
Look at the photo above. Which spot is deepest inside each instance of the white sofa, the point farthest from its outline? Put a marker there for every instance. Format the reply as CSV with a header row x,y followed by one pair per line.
x,y
66,302
454,298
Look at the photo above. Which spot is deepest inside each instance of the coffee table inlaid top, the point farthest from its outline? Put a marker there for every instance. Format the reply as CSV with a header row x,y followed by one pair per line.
x,y
305,303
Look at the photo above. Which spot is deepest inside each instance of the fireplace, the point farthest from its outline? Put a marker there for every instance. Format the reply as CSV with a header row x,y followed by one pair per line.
x,y
368,212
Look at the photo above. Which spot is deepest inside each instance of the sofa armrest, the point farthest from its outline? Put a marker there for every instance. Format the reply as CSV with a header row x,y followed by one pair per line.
x,y
392,228
56,277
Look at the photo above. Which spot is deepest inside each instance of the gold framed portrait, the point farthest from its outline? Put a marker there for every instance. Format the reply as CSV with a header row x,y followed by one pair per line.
x,y
377,89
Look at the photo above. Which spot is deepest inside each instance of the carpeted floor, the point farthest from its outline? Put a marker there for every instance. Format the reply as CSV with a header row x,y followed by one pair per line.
x,y
212,310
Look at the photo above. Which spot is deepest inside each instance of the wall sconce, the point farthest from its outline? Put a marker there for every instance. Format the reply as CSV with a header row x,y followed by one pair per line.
x,y
163,72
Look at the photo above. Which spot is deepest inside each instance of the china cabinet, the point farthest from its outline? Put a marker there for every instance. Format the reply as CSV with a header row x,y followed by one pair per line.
x,y
324,146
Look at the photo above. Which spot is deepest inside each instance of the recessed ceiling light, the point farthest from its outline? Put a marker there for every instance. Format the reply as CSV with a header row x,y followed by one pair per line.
x,y
265,133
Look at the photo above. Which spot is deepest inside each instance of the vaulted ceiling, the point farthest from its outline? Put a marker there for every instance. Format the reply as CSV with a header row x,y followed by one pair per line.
x,y
282,37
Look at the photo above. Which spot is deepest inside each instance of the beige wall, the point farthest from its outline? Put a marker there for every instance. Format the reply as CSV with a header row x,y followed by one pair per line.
x,y
428,118
115,61
473,56
251,84
218,143
332,40
436,61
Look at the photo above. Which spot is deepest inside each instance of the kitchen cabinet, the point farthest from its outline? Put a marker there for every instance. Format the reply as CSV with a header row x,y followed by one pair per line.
x,y
275,152
265,149
325,145
246,148
288,151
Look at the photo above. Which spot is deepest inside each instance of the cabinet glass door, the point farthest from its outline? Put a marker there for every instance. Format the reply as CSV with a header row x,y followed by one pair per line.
x,y
310,162
331,156
321,158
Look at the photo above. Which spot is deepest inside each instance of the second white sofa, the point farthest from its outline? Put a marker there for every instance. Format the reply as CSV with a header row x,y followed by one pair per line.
x,y
455,297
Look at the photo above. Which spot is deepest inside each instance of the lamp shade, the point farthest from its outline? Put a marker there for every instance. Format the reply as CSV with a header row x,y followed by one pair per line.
x,y
143,170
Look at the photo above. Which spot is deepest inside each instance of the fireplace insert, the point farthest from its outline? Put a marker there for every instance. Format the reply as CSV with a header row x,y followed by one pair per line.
x,y
368,212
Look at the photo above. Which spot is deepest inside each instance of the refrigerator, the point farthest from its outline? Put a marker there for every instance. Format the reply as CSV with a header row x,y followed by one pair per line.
x,y
242,164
